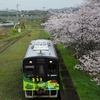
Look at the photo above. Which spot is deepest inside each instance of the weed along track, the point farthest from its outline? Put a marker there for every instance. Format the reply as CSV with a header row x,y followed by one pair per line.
x,y
67,89
12,41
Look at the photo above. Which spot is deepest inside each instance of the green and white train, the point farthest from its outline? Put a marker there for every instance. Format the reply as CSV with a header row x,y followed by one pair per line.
x,y
41,70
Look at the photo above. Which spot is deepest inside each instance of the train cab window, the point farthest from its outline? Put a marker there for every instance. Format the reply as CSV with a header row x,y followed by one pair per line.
x,y
52,67
29,71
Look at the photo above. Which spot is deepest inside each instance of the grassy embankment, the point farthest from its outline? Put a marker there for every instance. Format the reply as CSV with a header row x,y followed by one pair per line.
x,y
86,89
11,33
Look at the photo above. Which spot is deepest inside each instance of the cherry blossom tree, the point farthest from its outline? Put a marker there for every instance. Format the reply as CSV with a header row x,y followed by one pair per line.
x,y
81,30
91,64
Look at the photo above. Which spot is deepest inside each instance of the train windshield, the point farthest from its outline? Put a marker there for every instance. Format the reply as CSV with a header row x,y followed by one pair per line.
x,y
29,71
52,67
29,68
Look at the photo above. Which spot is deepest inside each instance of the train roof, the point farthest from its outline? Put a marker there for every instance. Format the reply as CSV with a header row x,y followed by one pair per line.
x,y
41,47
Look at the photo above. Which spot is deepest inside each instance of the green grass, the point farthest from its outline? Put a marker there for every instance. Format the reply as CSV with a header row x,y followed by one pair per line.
x,y
29,25
12,35
86,89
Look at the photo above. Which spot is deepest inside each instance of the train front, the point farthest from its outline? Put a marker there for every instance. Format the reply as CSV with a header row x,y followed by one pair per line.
x,y
41,77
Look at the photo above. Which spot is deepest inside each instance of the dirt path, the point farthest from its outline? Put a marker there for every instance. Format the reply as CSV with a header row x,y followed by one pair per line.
x,y
69,91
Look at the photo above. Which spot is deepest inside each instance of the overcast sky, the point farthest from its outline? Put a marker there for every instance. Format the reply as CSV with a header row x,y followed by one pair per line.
x,y
38,4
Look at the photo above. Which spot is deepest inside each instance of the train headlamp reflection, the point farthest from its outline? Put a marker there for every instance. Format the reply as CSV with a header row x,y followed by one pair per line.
x,y
50,61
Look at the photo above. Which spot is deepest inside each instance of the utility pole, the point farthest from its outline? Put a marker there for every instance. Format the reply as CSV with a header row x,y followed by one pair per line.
x,y
7,13
43,8
17,12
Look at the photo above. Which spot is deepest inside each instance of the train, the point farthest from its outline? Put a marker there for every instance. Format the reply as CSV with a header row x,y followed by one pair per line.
x,y
41,70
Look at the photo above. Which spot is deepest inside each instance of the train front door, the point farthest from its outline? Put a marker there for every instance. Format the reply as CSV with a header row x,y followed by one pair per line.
x,y
41,72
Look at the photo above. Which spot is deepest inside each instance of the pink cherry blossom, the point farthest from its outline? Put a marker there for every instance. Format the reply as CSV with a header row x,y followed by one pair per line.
x,y
80,30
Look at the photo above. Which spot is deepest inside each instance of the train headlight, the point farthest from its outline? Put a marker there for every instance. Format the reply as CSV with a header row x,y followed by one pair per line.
x,y
50,61
30,62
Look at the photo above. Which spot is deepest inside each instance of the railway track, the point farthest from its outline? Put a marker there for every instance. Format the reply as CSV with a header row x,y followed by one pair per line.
x,y
12,41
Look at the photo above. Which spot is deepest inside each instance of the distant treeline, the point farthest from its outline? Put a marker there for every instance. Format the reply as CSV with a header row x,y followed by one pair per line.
x,y
33,12
23,13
